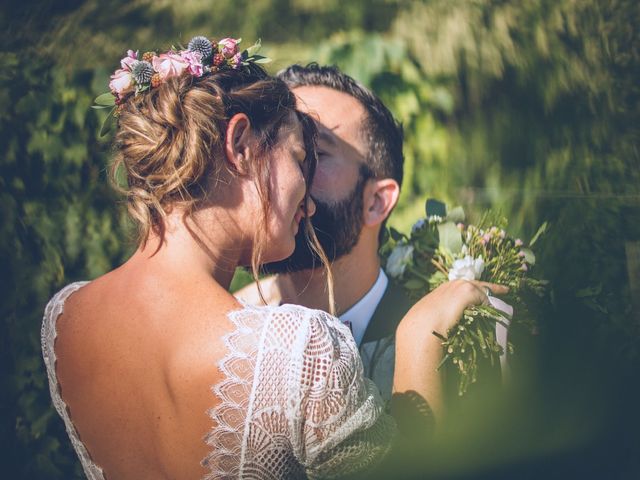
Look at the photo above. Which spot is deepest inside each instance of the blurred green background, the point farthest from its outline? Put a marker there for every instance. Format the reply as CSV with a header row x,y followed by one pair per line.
x,y
529,107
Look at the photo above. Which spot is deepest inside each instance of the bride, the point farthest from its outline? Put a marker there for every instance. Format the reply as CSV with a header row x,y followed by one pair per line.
x,y
155,368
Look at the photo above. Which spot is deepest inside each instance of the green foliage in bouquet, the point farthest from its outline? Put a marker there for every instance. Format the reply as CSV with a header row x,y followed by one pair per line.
x,y
441,248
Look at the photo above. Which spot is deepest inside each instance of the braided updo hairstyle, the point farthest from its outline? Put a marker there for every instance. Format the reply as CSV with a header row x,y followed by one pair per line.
x,y
170,143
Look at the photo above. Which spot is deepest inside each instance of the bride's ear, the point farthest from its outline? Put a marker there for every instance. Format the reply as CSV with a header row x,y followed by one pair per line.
x,y
238,146
380,196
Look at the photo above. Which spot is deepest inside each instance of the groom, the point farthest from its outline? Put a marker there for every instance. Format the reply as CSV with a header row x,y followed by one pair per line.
x,y
356,186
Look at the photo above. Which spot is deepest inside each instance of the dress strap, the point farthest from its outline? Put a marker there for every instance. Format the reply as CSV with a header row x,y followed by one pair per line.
x,y
48,336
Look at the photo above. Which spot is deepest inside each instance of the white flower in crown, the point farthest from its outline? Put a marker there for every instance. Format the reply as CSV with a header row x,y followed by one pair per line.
x,y
399,259
468,268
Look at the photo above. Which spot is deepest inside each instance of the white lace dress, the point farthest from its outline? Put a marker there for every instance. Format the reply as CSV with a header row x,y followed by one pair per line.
x,y
293,402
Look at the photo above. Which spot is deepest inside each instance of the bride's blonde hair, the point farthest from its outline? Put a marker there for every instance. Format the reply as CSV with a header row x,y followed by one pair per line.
x,y
170,141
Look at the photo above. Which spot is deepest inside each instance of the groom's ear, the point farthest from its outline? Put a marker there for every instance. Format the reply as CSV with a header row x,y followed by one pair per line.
x,y
380,196
238,145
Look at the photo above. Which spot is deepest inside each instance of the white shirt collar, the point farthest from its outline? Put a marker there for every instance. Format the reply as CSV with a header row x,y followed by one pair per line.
x,y
360,314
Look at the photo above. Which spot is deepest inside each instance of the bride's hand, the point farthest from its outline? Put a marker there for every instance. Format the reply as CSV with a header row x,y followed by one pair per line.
x,y
418,351
442,308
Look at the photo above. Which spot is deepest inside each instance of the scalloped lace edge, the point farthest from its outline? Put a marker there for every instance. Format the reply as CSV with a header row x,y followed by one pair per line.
x,y
48,336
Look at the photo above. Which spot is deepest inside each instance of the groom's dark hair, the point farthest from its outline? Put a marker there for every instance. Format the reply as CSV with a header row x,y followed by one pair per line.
x,y
382,132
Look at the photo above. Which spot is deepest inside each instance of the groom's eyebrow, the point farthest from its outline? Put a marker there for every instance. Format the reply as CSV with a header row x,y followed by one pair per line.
x,y
327,135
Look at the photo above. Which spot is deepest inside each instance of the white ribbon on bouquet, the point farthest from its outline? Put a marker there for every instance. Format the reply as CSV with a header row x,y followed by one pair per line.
x,y
502,330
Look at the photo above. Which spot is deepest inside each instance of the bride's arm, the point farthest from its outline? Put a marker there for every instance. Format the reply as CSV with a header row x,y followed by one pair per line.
x,y
418,351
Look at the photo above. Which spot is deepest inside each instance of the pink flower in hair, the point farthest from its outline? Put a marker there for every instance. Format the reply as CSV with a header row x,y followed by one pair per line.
x,y
170,64
129,59
120,81
236,61
194,61
228,47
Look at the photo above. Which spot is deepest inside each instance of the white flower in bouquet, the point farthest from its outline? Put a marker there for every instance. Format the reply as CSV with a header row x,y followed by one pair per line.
x,y
399,259
468,268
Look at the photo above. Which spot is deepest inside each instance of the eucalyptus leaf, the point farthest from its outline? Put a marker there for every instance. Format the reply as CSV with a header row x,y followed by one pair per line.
x,y
262,59
450,237
106,99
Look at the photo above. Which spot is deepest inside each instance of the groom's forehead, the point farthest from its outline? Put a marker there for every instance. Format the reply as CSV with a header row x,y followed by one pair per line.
x,y
336,113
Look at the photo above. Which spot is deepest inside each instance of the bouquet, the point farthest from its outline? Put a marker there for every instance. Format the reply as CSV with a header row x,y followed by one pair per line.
x,y
441,247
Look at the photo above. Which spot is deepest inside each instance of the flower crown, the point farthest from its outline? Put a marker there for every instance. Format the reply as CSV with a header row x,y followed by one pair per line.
x,y
201,57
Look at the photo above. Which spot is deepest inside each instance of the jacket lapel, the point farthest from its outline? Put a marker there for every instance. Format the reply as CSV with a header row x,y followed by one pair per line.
x,y
393,306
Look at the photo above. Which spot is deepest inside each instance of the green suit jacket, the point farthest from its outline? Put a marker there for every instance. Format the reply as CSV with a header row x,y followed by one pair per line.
x,y
377,349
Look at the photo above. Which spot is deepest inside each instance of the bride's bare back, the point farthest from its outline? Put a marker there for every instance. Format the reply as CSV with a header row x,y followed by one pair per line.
x,y
137,357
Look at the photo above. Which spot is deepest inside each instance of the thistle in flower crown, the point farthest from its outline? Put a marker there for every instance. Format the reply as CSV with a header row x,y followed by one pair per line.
x,y
442,248
201,57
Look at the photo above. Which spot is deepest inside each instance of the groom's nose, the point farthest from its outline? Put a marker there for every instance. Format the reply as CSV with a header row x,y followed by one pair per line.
x,y
311,207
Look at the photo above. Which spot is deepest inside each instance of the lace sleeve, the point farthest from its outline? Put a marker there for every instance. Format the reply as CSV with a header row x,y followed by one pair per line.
x,y
337,421
294,402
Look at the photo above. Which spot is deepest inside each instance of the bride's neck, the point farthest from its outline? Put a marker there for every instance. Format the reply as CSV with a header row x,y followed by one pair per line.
x,y
194,248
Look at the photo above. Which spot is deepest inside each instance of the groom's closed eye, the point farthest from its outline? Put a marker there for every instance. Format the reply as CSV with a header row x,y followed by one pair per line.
x,y
321,153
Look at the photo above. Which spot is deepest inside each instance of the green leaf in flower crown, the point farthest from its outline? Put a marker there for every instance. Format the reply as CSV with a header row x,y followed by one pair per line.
x,y
450,237
255,48
435,207
456,215
261,59
541,230
106,99
529,256
108,123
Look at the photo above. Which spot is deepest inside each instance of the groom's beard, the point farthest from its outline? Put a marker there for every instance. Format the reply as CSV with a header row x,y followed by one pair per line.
x,y
337,227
